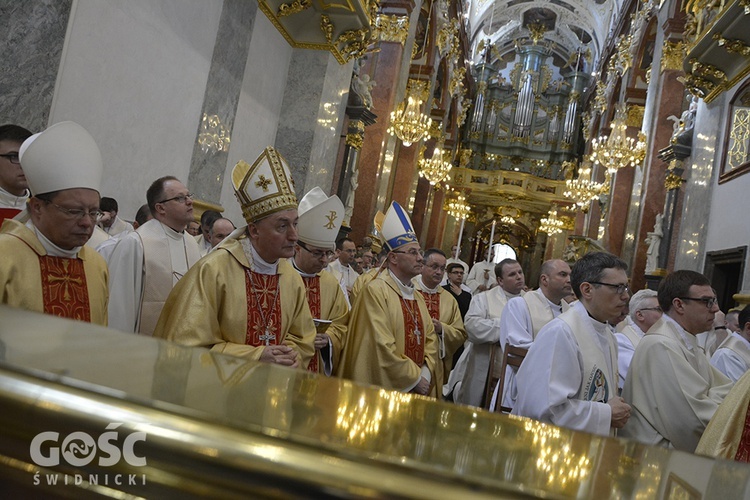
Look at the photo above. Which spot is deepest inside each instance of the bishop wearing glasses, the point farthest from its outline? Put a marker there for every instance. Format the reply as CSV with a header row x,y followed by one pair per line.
x,y
147,263
392,341
244,298
46,266
320,219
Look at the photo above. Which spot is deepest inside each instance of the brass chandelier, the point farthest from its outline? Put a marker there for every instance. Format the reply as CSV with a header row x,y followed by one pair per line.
x,y
618,150
435,169
551,224
408,123
582,191
457,207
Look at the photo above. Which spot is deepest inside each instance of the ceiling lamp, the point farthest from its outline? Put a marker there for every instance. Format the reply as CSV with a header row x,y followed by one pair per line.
x,y
408,123
583,190
551,224
618,150
435,169
458,208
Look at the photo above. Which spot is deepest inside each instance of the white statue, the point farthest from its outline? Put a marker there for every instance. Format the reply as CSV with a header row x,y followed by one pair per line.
x,y
654,242
353,183
362,85
570,254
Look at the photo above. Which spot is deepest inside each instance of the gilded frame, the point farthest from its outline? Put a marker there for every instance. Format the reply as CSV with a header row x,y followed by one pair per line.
x,y
726,174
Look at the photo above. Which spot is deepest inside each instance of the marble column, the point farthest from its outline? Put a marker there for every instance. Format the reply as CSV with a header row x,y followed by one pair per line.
x,y
419,213
618,210
436,217
222,94
312,117
34,33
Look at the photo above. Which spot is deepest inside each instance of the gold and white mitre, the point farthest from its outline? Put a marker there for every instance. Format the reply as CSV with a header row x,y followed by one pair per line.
x,y
64,156
395,228
320,218
264,188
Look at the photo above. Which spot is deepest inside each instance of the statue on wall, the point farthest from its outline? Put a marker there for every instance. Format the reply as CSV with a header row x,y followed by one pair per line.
x,y
570,254
654,243
349,206
363,85
685,123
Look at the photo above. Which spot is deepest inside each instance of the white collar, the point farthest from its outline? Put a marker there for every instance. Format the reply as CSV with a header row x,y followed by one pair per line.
x,y
257,264
687,337
171,232
601,328
52,249
300,271
425,288
12,201
407,290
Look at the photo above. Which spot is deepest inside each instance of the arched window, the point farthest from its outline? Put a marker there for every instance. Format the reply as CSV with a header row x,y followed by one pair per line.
x,y
502,251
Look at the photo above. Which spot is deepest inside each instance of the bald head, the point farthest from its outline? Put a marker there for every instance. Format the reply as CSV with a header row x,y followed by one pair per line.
x,y
220,229
554,280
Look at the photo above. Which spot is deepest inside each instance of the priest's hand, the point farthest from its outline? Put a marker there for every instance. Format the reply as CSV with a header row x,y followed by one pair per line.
x,y
438,326
321,340
620,412
423,387
281,355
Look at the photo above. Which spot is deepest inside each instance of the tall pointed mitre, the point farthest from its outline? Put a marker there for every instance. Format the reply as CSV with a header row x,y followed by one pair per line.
x,y
265,187
320,218
64,156
396,229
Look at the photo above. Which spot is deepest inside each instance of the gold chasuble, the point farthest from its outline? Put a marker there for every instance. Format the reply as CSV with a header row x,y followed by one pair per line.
x,y
390,339
327,302
30,279
215,305
727,435
443,307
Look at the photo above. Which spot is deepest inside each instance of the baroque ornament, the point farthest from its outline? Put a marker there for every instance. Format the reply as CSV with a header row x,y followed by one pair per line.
x,y
392,28
673,54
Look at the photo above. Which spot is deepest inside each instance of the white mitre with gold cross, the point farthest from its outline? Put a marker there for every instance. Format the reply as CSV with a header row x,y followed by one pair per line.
x,y
265,187
395,227
320,218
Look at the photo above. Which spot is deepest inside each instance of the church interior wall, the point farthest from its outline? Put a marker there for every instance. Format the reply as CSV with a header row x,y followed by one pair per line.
x,y
134,74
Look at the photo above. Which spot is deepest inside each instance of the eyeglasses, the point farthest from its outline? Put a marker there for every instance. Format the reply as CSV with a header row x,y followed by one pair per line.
x,y
436,267
651,309
413,252
709,301
318,254
456,272
179,199
77,214
619,289
12,157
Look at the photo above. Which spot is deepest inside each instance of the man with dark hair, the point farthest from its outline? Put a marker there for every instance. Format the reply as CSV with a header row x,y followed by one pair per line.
x,y
204,238
392,342
142,216
525,316
110,222
671,385
732,358
341,267
220,229
45,266
455,286
148,262
13,186
569,376
443,309
253,302
468,379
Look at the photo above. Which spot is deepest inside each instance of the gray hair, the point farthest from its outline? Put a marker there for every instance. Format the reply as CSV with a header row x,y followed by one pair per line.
x,y
638,300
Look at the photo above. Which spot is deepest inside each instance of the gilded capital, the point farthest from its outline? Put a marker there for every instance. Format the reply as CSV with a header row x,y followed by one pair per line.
x,y
392,28
635,116
673,55
354,140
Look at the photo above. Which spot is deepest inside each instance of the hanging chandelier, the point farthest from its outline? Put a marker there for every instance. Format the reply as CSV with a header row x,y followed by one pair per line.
x,y
618,150
583,190
551,224
408,123
435,169
457,207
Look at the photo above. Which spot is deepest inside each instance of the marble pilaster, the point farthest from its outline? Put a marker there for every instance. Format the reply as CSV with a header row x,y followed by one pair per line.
x,y
618,210
222,94
436,217
34,33
312,117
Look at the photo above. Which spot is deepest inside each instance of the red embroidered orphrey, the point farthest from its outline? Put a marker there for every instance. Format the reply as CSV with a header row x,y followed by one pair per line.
x,y
312,292
433,304
263,309
743,450
64,290
413,331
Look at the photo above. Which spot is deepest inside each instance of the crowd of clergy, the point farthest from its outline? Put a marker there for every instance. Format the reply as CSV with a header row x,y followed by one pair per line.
x,y
662,367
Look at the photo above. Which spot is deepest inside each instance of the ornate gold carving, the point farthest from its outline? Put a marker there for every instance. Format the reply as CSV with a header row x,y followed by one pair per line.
x,y
392,28
624,59
706,69
457,79
600,97
464,157
326,27
447,38
699,87
635,116
546,76
353,44
354,140
739,138
732,46
287,9
419,89
673,54
536,31
673,181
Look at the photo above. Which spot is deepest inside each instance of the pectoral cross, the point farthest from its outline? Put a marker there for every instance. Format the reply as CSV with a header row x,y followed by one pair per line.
x,y
267,337
418,334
